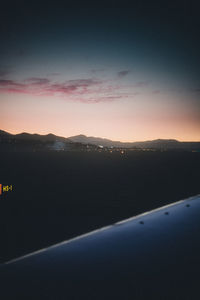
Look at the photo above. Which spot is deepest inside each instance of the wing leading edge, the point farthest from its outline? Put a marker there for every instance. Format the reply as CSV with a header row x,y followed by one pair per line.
x,y
155,255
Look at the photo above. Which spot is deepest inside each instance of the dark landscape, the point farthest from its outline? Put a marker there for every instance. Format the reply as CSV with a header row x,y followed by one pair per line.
x,y
34,142
58,195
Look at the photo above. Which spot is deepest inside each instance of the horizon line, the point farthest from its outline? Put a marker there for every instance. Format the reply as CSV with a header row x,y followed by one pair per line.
x,y
88,136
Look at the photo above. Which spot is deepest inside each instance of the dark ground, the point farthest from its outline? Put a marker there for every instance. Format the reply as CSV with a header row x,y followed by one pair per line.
x,y
59,195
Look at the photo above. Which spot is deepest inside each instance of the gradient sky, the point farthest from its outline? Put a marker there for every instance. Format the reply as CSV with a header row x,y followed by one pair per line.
x,y
111,69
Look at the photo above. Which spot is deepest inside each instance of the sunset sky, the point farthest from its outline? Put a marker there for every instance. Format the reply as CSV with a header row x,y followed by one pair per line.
x,y
107,69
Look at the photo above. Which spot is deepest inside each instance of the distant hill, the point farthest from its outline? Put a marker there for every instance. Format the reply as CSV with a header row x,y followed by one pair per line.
x,y
156,144
4,133
83,140
34,137
34,142
109,143
38,137
96,141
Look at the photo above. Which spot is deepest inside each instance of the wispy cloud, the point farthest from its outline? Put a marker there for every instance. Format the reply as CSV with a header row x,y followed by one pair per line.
x,y
54,74
77,89
156,92
87,90
4,73
141,84
37,81
10,83
122,74
196,90
95,71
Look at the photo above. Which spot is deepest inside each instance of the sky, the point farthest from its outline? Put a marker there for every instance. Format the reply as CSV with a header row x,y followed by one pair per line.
x,y
123,70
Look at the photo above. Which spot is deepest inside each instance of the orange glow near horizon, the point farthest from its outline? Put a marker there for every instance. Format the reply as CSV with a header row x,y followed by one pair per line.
x,y
124,120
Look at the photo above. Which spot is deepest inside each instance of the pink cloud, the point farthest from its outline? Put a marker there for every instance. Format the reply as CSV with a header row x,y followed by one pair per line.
x,y
14,90
88,90
6,82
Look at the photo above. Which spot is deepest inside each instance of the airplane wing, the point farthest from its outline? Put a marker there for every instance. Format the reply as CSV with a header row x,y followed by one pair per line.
x,y
155,255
